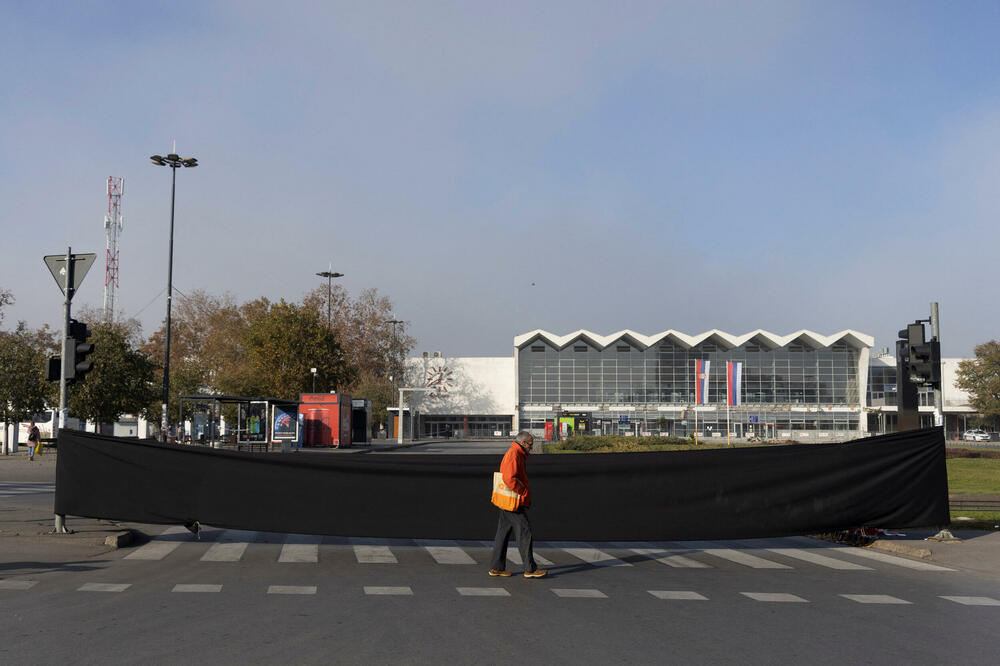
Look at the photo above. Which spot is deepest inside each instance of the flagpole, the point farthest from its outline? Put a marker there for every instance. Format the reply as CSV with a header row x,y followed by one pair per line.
x,y
730,369
696,423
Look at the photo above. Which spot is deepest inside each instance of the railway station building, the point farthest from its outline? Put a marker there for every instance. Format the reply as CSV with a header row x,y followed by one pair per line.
x,y
803,386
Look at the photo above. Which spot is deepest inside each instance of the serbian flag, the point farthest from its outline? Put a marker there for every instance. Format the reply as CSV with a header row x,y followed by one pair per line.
x,y
701,382
734,382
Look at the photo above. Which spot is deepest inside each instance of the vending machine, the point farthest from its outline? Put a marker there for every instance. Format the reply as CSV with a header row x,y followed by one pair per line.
x,y
327,419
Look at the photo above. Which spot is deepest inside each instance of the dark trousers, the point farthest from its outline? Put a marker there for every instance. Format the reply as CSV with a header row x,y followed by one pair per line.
x,y
518,523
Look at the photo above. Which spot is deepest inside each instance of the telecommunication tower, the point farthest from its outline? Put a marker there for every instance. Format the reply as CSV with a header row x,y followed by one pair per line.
x,y
113,226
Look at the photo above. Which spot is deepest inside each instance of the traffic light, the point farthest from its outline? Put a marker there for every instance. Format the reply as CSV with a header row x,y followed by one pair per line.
x,y
923,359
54,368
78,349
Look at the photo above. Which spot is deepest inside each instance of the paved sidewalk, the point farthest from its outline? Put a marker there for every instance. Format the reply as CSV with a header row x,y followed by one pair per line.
x,y
28,524
978,551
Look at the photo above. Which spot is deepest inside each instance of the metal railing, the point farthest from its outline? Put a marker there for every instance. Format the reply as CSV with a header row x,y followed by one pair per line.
x,y
974,505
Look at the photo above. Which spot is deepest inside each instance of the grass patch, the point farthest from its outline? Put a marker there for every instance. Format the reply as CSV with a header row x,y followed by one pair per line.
x,y
974,476
975,520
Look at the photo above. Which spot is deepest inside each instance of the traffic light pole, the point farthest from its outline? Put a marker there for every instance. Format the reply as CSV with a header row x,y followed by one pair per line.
x,y
60,524
68,296
936,336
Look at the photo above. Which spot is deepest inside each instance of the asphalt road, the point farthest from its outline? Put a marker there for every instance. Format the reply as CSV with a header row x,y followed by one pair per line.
x,y
236,597
250,597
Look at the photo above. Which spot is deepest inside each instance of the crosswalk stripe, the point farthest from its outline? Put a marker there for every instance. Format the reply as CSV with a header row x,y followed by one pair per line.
x,y
230,547
890,559
591,556
160,546
678,595
483,592
291,589
973,601
446,554
579,593
374,554
677,561
17,584
779,597
300,548
388,591
821,560
104,587
746,559
875,599
194,587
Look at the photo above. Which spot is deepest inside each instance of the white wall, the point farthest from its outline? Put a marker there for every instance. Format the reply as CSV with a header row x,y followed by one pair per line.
x,y
469,386
953,398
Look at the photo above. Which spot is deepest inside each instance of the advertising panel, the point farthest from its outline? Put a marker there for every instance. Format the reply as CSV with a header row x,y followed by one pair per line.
x,y
284,423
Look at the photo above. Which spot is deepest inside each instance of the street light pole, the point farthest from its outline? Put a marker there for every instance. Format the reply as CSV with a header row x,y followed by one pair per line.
x,y
393,354
329,275
173,161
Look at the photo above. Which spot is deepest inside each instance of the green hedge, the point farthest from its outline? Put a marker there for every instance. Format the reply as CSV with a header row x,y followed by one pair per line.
x,y
595,443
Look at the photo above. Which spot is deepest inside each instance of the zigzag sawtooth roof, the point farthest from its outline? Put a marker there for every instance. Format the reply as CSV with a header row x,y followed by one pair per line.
x,y
773,340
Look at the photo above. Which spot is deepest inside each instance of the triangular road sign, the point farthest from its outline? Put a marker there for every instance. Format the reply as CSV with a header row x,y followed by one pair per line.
x,y
81,264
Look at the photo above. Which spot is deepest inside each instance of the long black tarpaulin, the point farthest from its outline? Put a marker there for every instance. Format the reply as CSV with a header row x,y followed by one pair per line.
x,y
896,480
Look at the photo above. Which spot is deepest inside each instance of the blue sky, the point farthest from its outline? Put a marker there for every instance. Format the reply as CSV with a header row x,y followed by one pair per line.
x,y
499,167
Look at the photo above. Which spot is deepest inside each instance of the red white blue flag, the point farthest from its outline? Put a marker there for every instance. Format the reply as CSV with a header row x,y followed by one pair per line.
x,y
701,382
734,382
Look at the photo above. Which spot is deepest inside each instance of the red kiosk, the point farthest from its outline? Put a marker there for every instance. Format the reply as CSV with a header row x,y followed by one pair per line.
x,y
326,419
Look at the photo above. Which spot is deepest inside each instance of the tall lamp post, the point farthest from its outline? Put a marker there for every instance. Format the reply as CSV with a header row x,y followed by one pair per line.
x,y
173,161
329,275
395,348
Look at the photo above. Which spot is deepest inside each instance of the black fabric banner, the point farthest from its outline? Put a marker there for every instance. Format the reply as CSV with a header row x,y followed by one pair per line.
x,y
890,481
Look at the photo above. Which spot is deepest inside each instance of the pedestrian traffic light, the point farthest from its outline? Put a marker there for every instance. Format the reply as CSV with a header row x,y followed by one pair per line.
x,y
78,349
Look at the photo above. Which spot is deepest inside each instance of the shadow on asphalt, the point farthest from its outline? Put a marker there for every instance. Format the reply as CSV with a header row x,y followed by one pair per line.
x,y
46,567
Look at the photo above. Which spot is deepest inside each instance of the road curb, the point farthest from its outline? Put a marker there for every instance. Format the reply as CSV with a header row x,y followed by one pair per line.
x,y
109,539
900,549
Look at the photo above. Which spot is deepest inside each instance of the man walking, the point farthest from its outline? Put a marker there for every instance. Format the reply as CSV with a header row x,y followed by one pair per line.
x,y
515,477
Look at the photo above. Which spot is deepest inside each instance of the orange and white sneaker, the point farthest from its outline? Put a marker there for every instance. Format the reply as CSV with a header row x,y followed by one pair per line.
x,y
499,572
537,573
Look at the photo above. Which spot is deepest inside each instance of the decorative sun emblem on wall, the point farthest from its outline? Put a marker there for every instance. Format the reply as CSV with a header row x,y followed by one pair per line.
x,y
439,378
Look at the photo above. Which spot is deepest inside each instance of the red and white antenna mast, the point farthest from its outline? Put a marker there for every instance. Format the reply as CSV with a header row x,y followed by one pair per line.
x,y
113,226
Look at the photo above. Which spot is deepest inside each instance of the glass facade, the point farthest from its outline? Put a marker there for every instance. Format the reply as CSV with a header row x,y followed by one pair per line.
x,y
882,388
625,374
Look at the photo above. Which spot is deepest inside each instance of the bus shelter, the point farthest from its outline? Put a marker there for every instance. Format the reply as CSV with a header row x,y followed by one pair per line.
x,y
253,429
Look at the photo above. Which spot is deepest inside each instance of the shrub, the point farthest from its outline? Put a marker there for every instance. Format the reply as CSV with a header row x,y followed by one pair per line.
x,y
614,442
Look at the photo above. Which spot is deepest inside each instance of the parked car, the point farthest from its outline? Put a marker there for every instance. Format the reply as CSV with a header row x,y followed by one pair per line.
x,y
977,435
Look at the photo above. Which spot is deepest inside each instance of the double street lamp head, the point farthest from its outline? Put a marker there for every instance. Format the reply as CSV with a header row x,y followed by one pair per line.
x,y
328,274
173,161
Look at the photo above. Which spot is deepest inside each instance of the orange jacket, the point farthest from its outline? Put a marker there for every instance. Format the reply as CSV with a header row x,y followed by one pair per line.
x,y
515,473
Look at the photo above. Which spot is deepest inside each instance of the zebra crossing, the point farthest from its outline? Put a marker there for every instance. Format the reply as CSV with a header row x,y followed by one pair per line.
x,y
217,547
233,546
15,488
497,591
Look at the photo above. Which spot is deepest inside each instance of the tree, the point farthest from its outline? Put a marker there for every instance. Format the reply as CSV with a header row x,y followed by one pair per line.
x,y
373,350
121,382
980,378
281,344
24,390
6,298
204,350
